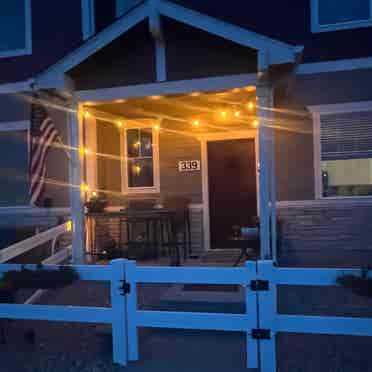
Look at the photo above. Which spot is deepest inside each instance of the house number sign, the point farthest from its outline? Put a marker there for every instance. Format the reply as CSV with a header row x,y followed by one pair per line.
x,y
189,165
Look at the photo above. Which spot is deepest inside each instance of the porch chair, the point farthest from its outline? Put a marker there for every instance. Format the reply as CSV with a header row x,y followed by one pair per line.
x,y
180,228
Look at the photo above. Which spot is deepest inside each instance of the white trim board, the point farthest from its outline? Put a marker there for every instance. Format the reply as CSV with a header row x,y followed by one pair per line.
x,y
341,107
317,112
27,50
172,87
278,51
93,45
334,66
88,19
10,126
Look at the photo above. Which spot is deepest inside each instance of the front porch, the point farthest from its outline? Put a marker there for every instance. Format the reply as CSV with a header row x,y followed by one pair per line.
x,y
194,155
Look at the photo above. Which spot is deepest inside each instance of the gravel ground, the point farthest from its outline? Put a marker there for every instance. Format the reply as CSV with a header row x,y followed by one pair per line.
x,y
61,347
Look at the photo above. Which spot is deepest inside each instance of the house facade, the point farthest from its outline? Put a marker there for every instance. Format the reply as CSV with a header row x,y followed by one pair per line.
x,y
243,110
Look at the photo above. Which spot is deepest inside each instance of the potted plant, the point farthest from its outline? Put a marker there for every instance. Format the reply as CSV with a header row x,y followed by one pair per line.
x,y
96,204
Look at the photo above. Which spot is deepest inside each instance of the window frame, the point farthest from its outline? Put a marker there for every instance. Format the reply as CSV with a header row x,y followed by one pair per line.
x,y
317,112
27,50
125,189
13,126
317,27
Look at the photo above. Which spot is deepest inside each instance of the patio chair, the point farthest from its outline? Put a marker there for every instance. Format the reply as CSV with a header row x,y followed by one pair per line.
x,y
180,229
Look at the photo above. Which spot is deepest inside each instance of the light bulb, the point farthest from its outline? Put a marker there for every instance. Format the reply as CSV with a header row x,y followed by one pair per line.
x,y
255,123
237,114
223,114
86,114
250,105
196,123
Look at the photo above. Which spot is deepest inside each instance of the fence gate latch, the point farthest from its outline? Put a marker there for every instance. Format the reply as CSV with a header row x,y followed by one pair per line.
x,y
259,285
125,287
261,334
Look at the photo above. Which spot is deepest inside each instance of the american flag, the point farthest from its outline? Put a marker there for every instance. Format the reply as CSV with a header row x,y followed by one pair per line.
x,y
42,135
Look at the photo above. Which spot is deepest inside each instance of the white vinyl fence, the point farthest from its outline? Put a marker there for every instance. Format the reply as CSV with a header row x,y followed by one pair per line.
x,y
261,321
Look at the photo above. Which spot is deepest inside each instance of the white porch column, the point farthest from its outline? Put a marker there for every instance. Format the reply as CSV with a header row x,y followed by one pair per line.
x,y
265,100
76,194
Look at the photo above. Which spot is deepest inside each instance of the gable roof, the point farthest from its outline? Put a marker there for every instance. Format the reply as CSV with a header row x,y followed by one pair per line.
x,y
276,52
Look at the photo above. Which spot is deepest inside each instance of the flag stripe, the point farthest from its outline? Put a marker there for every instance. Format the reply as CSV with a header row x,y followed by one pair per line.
x,y
42,135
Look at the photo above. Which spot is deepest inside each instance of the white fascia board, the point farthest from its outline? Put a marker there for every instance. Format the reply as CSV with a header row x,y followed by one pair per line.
x,y
338,108
335,66
16,87
93,45
165,88
279,52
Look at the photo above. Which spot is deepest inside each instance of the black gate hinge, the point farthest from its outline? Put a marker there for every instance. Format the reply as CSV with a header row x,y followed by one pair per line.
x,y
125,287
261,334
259,285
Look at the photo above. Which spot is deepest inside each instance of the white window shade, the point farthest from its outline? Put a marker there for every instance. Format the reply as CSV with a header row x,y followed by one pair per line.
x,y
346,136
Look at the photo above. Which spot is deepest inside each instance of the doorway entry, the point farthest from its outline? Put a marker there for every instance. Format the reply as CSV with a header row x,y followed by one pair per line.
x,y
232,188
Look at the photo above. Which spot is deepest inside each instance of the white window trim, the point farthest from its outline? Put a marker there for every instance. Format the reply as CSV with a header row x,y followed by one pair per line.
x,y
124,175
317,112
317,27
88,18
28,37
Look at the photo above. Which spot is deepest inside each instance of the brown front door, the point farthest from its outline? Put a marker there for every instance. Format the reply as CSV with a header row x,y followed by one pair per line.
x,y
232,187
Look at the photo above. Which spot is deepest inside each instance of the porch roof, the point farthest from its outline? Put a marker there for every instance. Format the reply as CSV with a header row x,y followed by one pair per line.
x,y
270,51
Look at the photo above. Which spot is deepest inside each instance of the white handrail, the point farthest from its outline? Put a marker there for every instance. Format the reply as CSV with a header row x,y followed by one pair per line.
x,y
26,245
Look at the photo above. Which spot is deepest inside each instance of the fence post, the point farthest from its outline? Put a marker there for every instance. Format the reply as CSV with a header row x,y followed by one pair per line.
x,y
267,311
118,305
252,316
130,272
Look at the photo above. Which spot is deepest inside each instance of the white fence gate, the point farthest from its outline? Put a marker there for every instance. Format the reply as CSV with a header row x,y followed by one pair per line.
x,y
261,321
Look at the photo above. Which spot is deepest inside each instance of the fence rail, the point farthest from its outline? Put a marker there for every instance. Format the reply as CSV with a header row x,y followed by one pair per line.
x,y
27,245
260,322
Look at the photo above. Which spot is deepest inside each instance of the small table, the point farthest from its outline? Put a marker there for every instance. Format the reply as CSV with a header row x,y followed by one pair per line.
x,y
246,244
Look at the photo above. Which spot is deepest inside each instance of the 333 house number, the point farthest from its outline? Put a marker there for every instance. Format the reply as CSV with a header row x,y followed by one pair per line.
x,y
189,165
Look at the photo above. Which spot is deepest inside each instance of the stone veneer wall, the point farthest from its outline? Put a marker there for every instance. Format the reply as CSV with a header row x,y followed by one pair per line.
x,y
325,233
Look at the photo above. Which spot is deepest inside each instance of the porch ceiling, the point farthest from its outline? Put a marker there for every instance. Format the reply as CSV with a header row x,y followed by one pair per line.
x,y
194,114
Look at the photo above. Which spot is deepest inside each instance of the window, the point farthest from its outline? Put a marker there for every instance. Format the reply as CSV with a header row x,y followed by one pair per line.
x,y
14,169
15,28
330,15
141,160
123,6
346,154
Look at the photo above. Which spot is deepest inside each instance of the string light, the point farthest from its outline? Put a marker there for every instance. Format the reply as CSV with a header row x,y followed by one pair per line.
x,y
196,123
69,226
94,194
237,114
84,187
83,151
255,123
120,124
86,114
250,105
137,144
136,170
223,114
236,90
156,127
